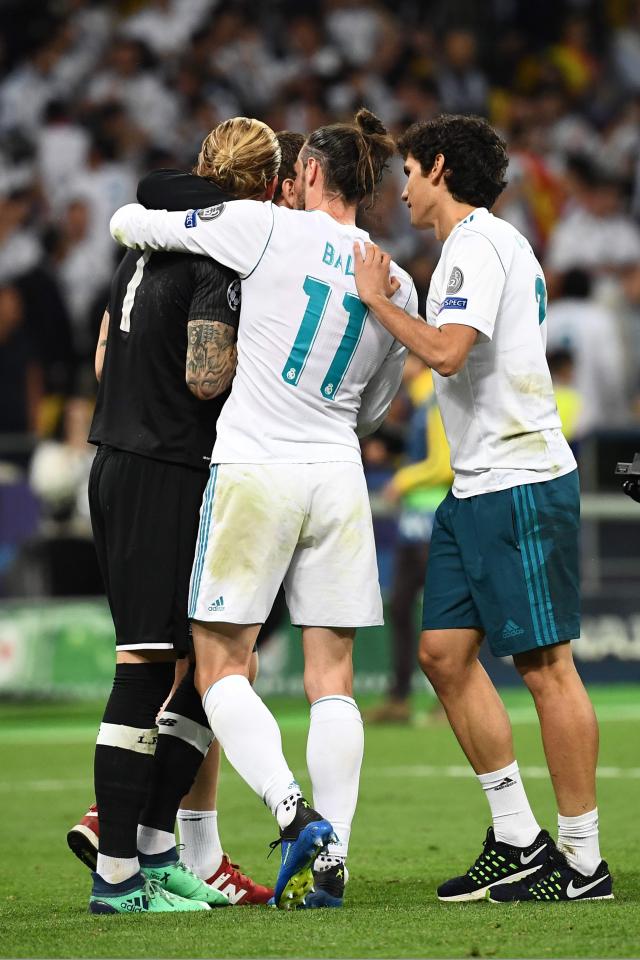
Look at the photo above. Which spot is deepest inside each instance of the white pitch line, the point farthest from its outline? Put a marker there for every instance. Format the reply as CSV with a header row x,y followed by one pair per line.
x,y
456,772
45,786
420,771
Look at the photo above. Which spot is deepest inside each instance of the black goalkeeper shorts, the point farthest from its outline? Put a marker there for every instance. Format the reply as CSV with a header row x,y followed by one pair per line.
x,y
145,517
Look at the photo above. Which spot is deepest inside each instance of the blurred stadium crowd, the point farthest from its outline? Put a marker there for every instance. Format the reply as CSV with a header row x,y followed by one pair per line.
x,y
92,94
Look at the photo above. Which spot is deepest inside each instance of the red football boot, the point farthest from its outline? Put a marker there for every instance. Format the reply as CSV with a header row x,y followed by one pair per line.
x,y
83,838
238,887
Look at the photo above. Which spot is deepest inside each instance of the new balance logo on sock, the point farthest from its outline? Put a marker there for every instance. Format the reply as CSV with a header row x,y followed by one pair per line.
x,y
507,782
216,605
511,629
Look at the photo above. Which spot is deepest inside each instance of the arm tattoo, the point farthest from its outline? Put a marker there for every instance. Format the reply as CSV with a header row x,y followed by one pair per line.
x,y
211,358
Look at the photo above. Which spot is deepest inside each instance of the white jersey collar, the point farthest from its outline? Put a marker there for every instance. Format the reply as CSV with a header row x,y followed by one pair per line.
x,y
474,215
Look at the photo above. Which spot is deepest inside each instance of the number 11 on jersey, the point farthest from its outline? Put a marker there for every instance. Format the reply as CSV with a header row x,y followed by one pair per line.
x,y
319,293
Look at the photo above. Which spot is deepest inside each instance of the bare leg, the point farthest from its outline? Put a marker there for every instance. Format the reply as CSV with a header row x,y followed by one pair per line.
x,y
568,724
477,715
480,722
328,665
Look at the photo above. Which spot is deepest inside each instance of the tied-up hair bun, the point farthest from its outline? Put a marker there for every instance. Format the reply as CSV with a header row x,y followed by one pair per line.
x,y
369,124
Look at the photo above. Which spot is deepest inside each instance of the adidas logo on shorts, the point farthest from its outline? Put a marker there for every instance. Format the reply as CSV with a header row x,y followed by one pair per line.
x,y
216,605
511,629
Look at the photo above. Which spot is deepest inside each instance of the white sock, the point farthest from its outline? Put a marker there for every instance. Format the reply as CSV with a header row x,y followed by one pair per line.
x,y
513,819
578,840
152,841
117,869
335,747
202,850
250,737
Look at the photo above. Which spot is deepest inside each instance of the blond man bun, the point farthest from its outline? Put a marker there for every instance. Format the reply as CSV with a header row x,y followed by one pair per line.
x,y
241,155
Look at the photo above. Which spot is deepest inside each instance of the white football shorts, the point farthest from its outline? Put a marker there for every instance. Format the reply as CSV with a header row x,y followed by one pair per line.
x,y
307,525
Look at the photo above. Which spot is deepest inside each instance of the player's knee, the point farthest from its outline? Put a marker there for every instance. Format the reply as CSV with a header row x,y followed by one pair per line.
x,y
329,682
203,679
436,664
545,674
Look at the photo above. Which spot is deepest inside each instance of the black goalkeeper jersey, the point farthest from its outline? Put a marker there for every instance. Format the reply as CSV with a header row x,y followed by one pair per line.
x,y
144,405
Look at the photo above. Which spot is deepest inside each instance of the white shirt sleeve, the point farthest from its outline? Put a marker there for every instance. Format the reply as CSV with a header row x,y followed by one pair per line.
x,y
475,278
235,234
379,392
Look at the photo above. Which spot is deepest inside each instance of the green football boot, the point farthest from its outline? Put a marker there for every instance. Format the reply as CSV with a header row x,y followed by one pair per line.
x,y
138,895
174,877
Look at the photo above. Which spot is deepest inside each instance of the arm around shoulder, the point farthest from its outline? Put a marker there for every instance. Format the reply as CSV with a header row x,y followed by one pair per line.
x,y
234,234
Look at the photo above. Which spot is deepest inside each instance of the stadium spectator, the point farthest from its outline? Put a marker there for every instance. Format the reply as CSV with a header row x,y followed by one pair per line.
x,y
129,79
462,86
165,26
61,148
20,371
596,233
80,269
568,399
589,332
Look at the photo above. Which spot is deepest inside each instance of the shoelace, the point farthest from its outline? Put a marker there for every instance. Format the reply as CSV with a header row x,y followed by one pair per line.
x,y
548,871
244,879
153,889
274,844
181,865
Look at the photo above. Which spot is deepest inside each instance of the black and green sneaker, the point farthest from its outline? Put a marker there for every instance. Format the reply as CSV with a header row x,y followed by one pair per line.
x,y
556,880
497,864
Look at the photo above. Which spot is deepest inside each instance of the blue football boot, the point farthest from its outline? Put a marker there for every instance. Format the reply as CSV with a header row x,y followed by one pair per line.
x,y
301,841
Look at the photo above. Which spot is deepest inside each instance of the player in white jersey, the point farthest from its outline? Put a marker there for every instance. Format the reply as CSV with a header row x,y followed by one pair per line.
x,y
503,562
287,500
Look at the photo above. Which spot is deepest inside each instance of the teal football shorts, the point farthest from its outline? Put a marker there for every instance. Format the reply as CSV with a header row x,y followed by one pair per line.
x,y
506,563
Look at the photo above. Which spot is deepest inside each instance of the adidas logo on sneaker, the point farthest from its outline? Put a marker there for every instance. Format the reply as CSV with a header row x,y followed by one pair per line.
x,y
136,904
511,629
216,605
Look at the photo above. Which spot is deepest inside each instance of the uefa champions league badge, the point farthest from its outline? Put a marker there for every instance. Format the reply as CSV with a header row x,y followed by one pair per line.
x,y
233,294
455,280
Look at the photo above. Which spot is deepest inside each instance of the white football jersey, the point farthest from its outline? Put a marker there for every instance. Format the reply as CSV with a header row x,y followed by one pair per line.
x,y
315,371
499,411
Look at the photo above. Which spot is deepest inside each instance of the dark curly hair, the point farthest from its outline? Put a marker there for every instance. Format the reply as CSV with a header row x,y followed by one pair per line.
x,y
353,156
475,157
290,146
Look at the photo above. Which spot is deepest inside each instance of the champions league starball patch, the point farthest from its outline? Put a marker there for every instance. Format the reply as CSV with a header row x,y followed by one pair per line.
x,y
233,294
211,213
455,280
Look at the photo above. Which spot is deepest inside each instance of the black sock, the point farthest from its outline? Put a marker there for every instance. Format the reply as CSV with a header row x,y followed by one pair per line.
x,y
184,738
124,752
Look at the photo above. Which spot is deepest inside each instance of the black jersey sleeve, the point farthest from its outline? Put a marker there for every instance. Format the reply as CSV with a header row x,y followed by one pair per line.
x,y
175,190
216,293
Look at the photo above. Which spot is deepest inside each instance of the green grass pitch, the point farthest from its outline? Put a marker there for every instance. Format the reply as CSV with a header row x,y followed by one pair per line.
x,y
421,818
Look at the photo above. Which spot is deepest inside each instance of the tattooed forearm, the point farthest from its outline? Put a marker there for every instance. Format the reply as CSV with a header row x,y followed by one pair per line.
x,y
211,358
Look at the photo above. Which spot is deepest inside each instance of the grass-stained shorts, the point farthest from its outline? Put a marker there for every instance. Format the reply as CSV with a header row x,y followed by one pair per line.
x,y
307,526
507,563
